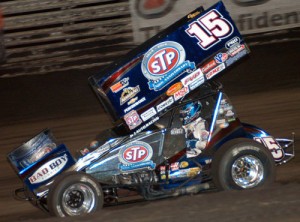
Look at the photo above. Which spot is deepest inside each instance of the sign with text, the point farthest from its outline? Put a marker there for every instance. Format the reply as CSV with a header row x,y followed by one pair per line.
x,y
250,16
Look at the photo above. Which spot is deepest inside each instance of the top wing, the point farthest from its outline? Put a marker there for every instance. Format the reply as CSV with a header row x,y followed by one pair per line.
x,y
170,65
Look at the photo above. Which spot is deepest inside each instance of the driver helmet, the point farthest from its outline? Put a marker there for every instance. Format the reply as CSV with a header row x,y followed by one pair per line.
x,y
190,112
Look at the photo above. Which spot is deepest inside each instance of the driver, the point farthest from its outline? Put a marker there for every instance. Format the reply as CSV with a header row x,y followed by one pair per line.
x,y
195,132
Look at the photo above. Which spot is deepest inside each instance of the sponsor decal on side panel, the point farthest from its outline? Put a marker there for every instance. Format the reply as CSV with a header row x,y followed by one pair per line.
x,y
132,119
163,63
182,173
184,164
174,166
215,71
145,126
177,131
148,114
49,169
136,155
165,104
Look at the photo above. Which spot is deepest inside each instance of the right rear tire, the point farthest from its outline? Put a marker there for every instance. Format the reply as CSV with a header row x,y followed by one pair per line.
x,y
243,164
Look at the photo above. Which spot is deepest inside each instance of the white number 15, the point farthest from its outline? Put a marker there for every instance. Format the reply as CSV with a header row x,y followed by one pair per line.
x,y
209,29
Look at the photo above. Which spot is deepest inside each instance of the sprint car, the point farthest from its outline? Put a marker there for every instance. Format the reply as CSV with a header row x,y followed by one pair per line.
x,y
175,131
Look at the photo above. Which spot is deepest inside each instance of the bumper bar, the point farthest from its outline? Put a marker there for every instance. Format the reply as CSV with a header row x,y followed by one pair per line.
x,y
288,146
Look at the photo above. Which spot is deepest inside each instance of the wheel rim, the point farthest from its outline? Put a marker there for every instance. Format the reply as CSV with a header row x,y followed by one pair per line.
x,y
247,171
78,199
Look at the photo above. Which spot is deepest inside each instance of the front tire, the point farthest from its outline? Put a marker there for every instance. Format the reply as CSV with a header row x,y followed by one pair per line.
x,y
74,194
242,164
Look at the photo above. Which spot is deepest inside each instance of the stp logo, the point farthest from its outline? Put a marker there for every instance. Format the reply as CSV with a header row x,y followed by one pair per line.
x,y
135,152
162,59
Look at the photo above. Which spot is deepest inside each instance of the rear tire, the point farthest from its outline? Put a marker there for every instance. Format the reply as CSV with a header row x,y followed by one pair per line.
x,y
74,194
242,164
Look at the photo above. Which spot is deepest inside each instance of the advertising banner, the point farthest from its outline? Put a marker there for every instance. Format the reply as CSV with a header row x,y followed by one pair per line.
x,y
166,68
250,16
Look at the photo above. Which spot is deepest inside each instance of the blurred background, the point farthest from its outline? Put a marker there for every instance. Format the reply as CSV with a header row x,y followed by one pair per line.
x,y
49,48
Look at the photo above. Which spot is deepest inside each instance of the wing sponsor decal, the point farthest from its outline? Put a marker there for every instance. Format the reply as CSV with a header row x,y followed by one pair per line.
x,y
129,93
221,57
132,101
235,40
237,54
165,104
181,93
208,66
135,104
234,50
174,88
48,170
194,79
215,71
120,85
163,63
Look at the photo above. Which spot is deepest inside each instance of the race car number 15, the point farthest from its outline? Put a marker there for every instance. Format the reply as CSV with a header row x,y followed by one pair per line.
x,y
209,29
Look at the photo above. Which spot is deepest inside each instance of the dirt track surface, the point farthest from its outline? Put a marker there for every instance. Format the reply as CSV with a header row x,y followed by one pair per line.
x,y
264,89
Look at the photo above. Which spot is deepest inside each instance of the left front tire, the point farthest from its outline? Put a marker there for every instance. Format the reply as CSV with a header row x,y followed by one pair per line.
x,y
74,194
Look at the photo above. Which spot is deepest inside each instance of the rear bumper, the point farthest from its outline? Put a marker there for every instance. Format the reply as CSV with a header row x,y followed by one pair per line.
x,y
23,194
